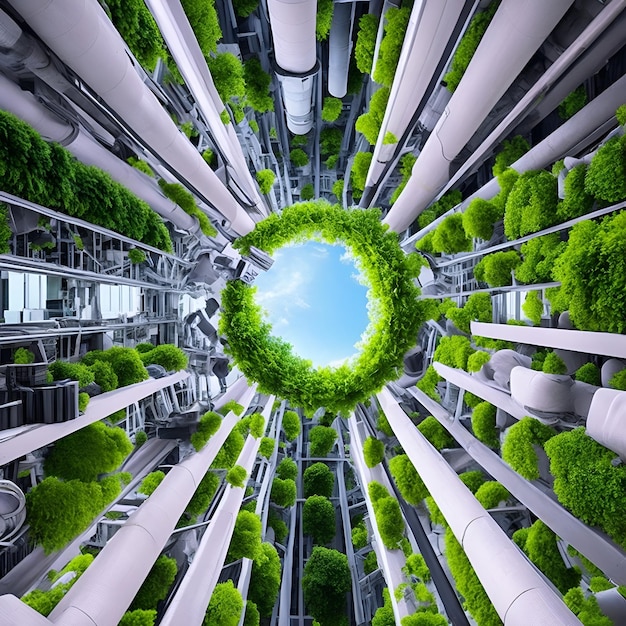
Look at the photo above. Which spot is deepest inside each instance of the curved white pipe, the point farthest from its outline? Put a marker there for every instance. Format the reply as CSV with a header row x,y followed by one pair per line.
x,y
25,106
519,27
81,35
339,48
297,97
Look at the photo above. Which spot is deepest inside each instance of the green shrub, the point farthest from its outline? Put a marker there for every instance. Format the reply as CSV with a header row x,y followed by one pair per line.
x,y
396,22
58,511
382,424
291,425
373,451
83,401
589,373
84,455
554,364
424,618
471,400
370,563
140,437
477,308
476,361
246,539
484,424
531,205
229,452
330,141
156,585
322,439
126,363
600,583
257,425
369,124
573,103
454,351
540,545
278,525
225,606
252,616
236,476
539,257
331,109
204,22
407,479
319,480
151,482
265,580
209,156
366,42
449,237
318,519
496,269
512,150
266,447
472,480
283,492
288,468
467,46
337,189
228,75
577,201
254,126
606,176
23,356
406,168
324,19
491,493
620,114
389,518
325,583
518,446
479,218
307,192
61,370
437,209
104,376
225,117
360,536
231,405
167,355
266,179
203,495
358,174
208,425
533,307
438,436
586,609
298,157
244,8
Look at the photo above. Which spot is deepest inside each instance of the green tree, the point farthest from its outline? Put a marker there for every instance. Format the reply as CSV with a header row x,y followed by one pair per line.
x,y
319,480
265,580
322,439
325,583
318,519
225,606
373,451
156,585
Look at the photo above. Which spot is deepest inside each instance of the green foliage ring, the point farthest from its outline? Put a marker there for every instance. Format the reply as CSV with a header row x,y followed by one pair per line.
x,y
395,313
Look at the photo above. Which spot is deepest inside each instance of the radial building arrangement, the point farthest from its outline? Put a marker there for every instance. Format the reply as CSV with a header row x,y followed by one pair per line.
x,y
154,469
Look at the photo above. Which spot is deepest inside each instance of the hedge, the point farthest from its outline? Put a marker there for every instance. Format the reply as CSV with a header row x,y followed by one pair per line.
x,y
291,425
283,492
373,451
587,482
225,606
126,363
484,424
319,480
156,585
586,609
169,356
366,42
318,519
518,446
407,479
436,434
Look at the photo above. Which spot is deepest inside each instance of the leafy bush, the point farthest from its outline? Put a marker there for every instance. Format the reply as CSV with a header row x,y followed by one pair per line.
x,y
104,376
577,201
586,609
606,176
151,482
244,8
83,401
600,583
136,256
236,476
257,425
58,511
358,174
438,436
229,452
589,373
318,519
539,257
373,451
278,525
330,141
325,583
512,150
23,356
203,495
539,543
225,606
370,563
265,580
140,437
266,448
369,124
407,479
266,179
382,424
126,364
288,469
531,204
453,351
554,364
252,616
298,157
484,424
307,192
479,218
472,480
396,22
228,75
366,42
476,361
283,492
246,539
231,405
518,446
319,480
573,103
5,230
437,209
533,307
208,425
496,269
185,200
156,585
491,493
84,455
322,439
331,109
337,189
61,370
291,425
587,481
449,237
477,308
467,46
424,618
406,169
360,536
167,355
324,19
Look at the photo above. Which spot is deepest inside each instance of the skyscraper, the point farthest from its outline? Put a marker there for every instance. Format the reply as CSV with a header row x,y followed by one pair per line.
x,y
140,141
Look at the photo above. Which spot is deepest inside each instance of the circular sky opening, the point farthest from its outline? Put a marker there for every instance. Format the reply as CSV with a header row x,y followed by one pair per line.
x,y
315,298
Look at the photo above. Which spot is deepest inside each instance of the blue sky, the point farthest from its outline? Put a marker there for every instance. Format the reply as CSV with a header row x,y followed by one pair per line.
x,y
314,301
